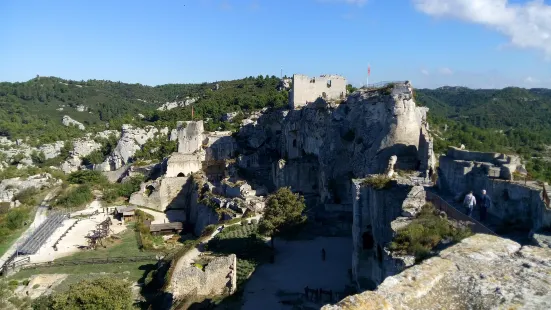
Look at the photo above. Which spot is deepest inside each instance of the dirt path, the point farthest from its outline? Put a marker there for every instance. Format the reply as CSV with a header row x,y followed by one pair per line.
x,y
299,264
39,218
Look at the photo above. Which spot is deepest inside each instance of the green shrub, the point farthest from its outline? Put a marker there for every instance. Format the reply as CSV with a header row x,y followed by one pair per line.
x,y
254,222
207,231
103,293
26,282
36,286
27,196
378,182
76,197
244,222
4,207
16,218
425,232
90,177
13,283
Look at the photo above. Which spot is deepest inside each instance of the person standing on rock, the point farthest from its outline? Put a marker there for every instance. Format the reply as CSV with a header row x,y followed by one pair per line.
x,y
485,204
469,203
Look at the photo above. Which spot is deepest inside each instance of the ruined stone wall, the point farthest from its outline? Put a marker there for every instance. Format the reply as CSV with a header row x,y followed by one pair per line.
x,y
376,216
308,89
161,194
182,164
218,277
512,202
481,272
190,136
220,146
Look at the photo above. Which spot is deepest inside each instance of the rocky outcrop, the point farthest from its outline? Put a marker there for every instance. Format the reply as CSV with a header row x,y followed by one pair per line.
x,y
132,139
9,188
218,277
319,148
51,150
177,104
68,121
481,272
377,215
229,116
81,108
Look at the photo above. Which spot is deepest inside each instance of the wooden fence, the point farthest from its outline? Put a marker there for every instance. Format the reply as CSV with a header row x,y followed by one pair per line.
x,y
90,261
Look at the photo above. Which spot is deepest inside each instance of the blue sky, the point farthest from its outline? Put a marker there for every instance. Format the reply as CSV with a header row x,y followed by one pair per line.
x,y
475,43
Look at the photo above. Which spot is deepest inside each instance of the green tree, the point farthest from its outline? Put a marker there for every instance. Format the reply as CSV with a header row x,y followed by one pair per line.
x,y
38,158
283,214
99,294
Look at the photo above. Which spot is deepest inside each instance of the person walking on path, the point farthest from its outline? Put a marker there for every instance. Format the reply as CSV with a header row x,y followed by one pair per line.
x,y
469,203
485,204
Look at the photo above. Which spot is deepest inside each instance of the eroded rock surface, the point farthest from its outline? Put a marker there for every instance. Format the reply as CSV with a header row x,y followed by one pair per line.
x,y
68,121
481,272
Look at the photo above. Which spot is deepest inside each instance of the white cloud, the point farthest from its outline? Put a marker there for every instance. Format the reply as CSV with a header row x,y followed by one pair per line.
x,y
424,72
445,71
352,2
531,80
527,25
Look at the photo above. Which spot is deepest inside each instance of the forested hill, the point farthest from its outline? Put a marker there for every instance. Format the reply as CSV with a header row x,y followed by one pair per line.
x,y
35,108
510,120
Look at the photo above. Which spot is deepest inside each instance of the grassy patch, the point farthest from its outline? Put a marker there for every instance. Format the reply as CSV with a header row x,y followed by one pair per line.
x,y
425,232
377,182
132,271
123,246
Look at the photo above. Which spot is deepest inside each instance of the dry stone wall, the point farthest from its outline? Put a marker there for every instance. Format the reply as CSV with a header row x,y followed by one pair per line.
x,y
461,171
218,277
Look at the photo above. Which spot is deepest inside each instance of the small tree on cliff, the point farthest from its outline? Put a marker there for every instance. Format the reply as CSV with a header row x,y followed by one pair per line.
x,y
283,214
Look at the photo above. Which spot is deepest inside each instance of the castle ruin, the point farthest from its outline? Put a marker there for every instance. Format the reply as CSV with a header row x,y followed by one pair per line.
x,y
309,89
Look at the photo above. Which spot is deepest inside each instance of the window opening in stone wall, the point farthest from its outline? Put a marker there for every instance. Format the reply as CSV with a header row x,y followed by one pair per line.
x,y
149,190
181,174
328,83
368,241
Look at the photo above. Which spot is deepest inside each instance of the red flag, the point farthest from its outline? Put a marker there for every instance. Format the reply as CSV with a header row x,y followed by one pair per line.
x,y
191,112
368,70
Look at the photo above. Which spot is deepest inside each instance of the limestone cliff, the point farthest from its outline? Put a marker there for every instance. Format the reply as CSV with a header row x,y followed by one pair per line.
x,y
317,150
131,140
481,272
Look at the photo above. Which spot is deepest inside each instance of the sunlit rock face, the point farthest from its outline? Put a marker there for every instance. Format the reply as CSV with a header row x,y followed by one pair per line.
x,y
481,272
